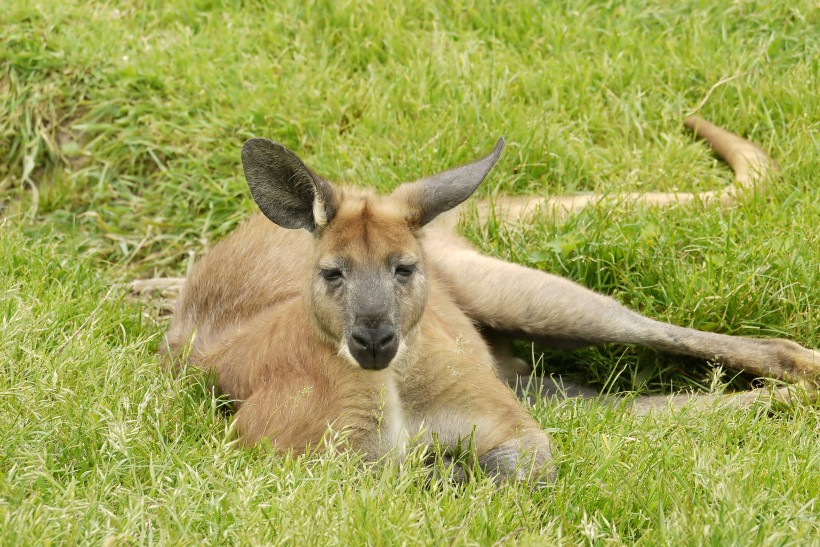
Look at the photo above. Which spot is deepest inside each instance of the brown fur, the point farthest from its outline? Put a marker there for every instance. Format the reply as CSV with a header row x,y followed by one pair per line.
x,y
264,312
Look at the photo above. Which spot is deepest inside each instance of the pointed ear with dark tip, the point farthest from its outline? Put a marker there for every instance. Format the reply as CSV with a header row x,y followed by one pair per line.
x,y
429,197
286,191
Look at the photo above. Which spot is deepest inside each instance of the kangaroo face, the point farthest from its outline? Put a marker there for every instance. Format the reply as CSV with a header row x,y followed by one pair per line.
x,y
368,287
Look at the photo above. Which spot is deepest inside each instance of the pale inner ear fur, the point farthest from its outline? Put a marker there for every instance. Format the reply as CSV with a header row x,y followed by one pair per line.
x,y
286,191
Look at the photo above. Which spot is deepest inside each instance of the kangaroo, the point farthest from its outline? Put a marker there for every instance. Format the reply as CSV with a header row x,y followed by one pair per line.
x,y
340,310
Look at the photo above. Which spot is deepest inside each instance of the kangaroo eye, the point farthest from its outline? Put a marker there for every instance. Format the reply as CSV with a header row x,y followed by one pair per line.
x,y
404,272
331,274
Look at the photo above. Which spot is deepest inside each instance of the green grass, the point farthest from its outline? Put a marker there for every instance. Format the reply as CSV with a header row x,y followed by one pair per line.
x,y
120,131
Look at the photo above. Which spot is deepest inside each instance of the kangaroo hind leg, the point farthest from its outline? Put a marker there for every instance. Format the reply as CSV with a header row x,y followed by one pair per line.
x,y
529,304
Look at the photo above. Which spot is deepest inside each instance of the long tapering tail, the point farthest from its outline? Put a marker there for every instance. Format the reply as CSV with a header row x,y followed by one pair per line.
x,y
751,165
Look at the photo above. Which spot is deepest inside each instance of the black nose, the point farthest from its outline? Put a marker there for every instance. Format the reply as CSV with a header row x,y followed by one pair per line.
x,y
373,348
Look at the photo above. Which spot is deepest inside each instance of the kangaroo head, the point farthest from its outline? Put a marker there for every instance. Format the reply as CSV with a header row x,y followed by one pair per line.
x,y
368,286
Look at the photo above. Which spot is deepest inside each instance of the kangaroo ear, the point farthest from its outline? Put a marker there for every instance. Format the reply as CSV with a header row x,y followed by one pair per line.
x,y
429,197
287,192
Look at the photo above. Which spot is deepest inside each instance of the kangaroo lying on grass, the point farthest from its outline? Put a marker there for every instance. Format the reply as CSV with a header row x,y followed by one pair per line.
x,y
348,311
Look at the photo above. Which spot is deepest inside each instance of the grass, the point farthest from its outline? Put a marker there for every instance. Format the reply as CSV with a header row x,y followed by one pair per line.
x,y
120,129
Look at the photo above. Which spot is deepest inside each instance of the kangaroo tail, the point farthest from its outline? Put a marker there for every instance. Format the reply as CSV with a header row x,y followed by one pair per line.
x,y
751,165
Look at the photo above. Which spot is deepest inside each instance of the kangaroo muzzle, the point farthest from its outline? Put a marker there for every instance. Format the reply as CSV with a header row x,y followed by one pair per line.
x,y
373,348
